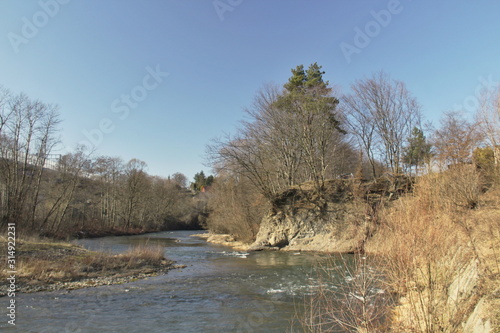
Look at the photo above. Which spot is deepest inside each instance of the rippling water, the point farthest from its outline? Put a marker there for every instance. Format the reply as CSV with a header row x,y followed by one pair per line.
x,y
220,290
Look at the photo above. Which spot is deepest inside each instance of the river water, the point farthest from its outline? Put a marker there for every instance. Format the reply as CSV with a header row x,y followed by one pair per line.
x,y
220,290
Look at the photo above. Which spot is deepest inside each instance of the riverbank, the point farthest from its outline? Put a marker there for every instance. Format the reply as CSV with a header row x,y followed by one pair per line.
x,y
43,265
438,236
220,290
225,240
107,232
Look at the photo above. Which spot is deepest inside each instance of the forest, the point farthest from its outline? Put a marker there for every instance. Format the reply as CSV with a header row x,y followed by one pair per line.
x,y
79,194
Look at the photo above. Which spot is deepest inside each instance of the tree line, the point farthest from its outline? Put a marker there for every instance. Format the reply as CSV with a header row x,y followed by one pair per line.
x,y
304,132
299,134
81,194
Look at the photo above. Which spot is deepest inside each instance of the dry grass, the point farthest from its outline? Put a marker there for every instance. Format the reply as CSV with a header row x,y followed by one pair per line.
x,y
441,243
43,263
440,246
144,254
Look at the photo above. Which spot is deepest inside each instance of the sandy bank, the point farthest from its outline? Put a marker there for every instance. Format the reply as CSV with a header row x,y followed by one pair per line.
x,y
223,239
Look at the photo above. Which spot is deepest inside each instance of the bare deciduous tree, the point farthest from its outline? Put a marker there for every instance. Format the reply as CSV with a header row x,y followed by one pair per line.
x,y
455,140
488,119
265,150
136,184
278,132
60,190
381,113
108,169
292,136
27,135
180,179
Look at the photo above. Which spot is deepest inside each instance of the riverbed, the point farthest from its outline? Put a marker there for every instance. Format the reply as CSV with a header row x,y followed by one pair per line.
x,y
219,290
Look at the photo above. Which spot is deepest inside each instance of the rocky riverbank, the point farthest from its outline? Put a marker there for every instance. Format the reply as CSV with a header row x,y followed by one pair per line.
x,y
36,286
440,251
224,239
47,265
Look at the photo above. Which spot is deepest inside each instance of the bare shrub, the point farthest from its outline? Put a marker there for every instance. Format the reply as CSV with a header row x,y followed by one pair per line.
x,y
457,188
415,268
349,296
461,186
236,208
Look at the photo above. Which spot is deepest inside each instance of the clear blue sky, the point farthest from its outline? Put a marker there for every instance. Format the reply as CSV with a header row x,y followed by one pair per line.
x,y
86,55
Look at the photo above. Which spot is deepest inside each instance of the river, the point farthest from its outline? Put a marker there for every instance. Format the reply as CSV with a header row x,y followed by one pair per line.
x,y
220,290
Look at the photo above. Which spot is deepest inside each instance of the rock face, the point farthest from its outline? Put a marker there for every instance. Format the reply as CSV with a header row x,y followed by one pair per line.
x,y
308,230
463,291
342,223
478,322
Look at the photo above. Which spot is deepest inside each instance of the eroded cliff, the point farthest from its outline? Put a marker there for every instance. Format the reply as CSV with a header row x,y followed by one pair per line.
x,y
341,220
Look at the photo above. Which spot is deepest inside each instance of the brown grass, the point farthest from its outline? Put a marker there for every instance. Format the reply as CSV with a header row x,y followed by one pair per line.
x,y
440,251
144,254
441,244
40,262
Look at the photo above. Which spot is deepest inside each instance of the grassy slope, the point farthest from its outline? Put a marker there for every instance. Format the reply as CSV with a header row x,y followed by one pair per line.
x,y
439,249
442,245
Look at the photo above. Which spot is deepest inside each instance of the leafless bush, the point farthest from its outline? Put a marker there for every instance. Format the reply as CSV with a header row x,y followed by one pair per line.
x,y
236,208
456,188
461,186
350,296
